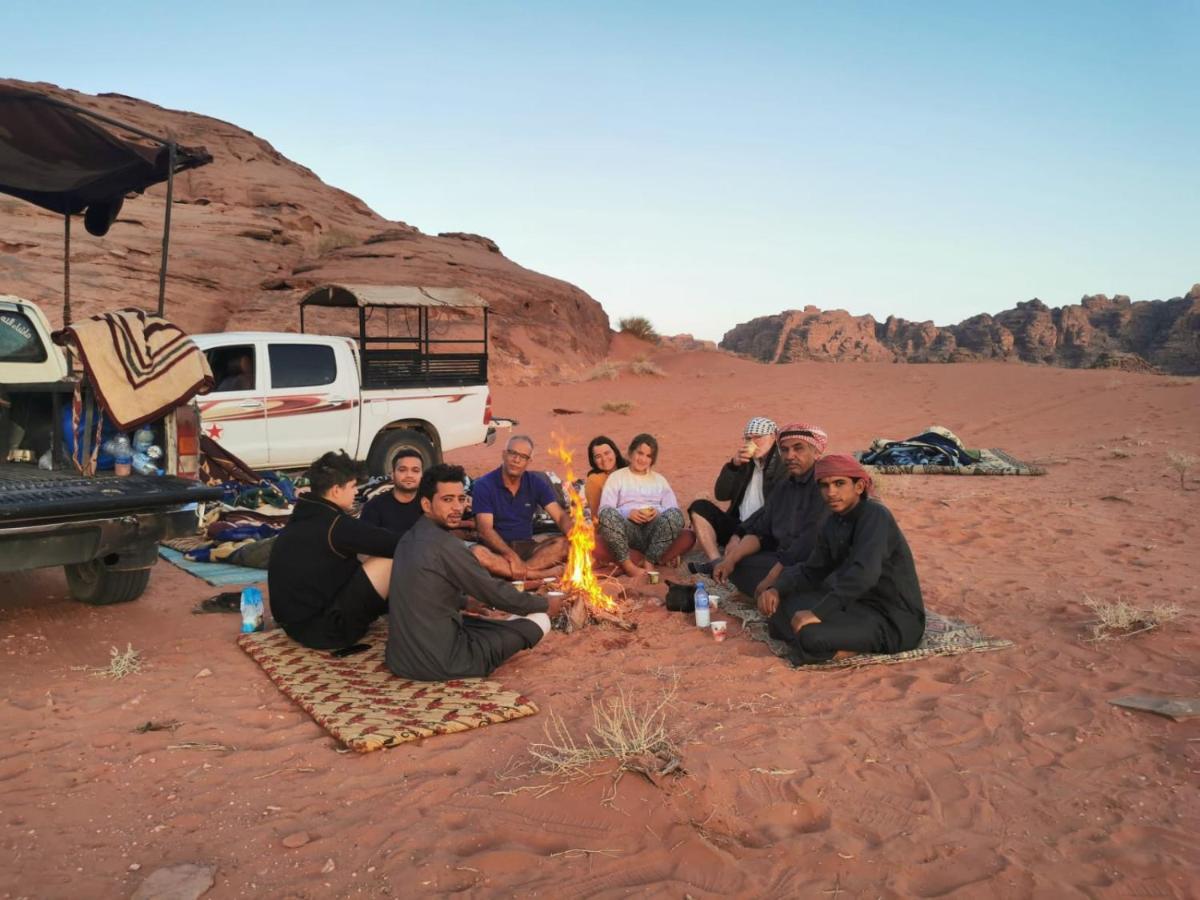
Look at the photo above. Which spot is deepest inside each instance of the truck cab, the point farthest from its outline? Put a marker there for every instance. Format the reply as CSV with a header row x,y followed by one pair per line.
x,y
282,399
26,353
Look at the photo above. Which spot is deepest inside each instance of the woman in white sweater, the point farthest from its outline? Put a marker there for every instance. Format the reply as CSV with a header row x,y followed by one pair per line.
x,y
638,509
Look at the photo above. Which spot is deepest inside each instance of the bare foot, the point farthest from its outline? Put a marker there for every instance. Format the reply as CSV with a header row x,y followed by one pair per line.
x,y
845,654
632,569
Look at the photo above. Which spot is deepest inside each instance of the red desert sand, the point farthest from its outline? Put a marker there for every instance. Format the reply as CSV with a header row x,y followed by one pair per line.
x,y
1003,774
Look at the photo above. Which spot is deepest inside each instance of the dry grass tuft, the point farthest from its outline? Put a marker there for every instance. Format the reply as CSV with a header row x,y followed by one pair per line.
x,y
1121,619
620,407
643,366
121,664
605,371
639,326
1181,462
622,730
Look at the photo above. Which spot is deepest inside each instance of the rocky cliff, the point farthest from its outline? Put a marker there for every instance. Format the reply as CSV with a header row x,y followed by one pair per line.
x,y
1098,331
252,230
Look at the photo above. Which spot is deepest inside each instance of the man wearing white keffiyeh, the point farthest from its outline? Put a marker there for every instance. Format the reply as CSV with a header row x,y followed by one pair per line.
x,y
744,481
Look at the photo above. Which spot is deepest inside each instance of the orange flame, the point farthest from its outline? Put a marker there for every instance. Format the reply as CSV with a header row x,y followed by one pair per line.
x,y
578,576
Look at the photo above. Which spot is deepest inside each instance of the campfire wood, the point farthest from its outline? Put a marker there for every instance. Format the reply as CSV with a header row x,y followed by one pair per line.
x,y
578,613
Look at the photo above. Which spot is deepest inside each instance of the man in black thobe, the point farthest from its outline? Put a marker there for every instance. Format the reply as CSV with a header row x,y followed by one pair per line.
x,y
435,578
858,592
784,531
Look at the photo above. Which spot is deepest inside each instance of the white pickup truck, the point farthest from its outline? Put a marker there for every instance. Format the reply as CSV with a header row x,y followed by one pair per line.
x,y
282,399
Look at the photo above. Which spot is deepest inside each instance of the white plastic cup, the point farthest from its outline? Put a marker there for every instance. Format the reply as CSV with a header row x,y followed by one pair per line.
x,y
718,630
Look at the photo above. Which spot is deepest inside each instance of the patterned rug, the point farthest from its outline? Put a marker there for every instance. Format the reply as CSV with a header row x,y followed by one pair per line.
x,y
943,637
365,706
991,462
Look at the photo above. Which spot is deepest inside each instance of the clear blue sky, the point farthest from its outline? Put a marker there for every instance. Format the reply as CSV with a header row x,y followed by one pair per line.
x,y
701,164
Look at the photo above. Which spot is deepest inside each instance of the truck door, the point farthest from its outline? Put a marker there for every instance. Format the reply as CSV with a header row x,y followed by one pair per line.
x,y
234,413
312,402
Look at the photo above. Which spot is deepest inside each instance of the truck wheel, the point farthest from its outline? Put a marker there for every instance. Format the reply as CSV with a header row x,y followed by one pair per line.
x,y
96,584
384,452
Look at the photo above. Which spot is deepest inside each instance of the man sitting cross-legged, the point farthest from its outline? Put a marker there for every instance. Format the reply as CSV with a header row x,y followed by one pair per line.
x,y
435,578
784,530
504,501
745,482
858,592
321,595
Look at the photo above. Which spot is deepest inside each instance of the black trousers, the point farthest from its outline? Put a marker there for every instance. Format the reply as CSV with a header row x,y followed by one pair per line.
x,y
853,626
723,523
345,620
751,570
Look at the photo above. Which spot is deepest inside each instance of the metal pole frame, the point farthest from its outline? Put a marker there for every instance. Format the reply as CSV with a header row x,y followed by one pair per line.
x,y
67,283
162,142
166,240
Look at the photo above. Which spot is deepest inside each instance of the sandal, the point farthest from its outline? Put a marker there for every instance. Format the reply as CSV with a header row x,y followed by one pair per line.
x,y
230,601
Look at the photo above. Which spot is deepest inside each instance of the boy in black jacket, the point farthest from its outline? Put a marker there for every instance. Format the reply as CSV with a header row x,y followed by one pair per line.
x,y
321,595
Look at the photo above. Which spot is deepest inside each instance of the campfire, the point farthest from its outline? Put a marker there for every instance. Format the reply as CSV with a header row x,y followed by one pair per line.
x,y
586,600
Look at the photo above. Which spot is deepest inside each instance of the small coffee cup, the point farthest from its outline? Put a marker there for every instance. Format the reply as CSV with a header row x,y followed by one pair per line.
x,y
519,585
652,577
718,630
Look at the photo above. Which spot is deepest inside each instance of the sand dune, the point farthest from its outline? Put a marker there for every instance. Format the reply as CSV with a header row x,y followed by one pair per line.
x,y
1004,774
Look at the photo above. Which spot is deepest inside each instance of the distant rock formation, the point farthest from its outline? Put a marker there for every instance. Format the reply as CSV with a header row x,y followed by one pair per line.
x,y
1097,332
253,229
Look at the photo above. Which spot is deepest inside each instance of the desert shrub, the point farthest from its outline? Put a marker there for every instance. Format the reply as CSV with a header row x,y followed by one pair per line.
x,y
640,327
121,665
603,371
1181,462
1120,619
622,730
620,407
643,366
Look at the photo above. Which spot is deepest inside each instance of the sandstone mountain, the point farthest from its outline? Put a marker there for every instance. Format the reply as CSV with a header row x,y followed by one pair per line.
x,y
252,230
1098,331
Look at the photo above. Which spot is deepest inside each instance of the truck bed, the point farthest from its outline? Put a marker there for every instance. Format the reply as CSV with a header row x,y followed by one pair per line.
x,y
29,494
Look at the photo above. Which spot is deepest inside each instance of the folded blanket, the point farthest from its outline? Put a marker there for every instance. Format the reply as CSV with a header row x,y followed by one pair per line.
x,y
140,365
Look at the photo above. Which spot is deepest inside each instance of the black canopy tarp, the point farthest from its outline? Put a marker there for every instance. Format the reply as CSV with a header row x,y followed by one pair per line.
x,y
61,158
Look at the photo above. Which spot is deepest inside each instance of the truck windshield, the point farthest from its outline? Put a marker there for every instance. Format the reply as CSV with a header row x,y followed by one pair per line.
x,y
19,340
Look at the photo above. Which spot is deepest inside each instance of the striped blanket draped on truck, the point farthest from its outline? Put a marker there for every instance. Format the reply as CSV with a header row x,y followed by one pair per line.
x,y
140,365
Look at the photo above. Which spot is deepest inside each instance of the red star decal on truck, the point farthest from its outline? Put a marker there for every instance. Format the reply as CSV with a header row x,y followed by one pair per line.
x,y
214,431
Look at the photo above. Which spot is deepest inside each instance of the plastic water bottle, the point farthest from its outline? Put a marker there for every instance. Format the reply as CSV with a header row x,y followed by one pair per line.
x,y
143,438
143,465
252,609
122,455
701,605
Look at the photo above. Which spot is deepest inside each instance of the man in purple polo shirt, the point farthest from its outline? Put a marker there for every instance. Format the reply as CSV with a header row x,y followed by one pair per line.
x,y
505,500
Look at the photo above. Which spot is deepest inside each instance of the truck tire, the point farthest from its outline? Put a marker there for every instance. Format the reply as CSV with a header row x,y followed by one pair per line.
x,y
96,584
391,442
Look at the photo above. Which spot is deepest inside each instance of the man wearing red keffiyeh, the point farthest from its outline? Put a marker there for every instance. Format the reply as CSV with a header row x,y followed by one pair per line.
x,y
858,592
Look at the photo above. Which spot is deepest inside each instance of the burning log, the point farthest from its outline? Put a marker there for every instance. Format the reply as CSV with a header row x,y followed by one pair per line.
x,y
586,602
578,613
